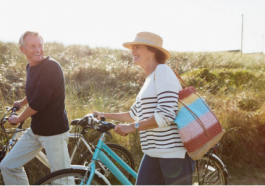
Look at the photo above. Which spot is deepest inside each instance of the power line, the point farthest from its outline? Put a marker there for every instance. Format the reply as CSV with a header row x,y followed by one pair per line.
x,y
212,7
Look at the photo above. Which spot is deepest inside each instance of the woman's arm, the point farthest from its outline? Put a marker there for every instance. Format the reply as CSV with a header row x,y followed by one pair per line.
x,y
123,116
124,129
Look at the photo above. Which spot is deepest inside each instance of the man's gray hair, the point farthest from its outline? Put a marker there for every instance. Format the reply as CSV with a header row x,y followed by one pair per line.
x,y
31,33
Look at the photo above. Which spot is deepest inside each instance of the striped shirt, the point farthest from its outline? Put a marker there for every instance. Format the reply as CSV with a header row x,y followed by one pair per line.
x,y
159,97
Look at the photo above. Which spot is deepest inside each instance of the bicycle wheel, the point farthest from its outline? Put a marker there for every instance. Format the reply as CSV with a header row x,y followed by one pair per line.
x,y
209,171
122,152
66,177
36,171
1,179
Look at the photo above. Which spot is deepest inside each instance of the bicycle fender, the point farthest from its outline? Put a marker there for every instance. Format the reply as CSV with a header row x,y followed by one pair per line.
x,y
96,172
224,167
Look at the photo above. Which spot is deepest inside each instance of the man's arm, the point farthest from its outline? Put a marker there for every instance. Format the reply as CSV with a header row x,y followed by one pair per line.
x,y
23,116
20,103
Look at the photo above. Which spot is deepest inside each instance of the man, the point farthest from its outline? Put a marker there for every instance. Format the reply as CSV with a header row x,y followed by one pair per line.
x,y
45,95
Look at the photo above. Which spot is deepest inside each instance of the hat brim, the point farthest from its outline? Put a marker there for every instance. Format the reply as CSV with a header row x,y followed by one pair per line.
x,y
130,44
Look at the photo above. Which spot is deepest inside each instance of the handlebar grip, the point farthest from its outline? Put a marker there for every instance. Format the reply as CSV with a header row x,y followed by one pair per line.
x,y
112,125
15,108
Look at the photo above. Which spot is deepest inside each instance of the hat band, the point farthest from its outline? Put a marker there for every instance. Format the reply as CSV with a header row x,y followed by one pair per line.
x,y
140,40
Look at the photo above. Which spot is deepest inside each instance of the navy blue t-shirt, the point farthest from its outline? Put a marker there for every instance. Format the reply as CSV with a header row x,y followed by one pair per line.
x,y
45,92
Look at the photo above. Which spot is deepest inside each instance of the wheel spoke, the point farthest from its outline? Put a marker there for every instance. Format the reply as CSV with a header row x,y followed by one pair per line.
x,y
208,172
67,177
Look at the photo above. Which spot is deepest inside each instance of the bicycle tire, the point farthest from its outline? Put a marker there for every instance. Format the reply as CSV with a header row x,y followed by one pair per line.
x,y
213,174
123,153
78,174
36,169
1,179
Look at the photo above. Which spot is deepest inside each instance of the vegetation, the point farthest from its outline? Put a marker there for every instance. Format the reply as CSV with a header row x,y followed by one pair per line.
x,y
104,79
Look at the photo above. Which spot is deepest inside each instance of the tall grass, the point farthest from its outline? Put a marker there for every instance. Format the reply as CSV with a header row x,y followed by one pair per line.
x,y
105,79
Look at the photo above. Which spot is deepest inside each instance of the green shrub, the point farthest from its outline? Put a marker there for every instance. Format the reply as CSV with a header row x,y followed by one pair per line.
x,y
243,77
195,82
248,104
205,74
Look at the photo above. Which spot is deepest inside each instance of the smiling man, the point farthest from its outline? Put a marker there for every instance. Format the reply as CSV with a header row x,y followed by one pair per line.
x,y
45,96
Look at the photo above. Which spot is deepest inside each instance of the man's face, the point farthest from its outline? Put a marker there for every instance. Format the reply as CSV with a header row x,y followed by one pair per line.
x,y
33,48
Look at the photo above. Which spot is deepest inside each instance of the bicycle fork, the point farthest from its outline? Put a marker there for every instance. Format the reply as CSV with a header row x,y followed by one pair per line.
x,y
90,150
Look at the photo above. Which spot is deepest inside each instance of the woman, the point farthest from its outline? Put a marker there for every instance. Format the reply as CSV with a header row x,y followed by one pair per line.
x,y
165,159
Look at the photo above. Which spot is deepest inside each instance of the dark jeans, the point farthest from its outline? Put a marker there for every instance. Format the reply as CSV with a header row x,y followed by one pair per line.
x,y
165,171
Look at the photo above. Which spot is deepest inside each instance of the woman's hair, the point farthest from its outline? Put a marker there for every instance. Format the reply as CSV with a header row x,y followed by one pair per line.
x,y
159,55
21,39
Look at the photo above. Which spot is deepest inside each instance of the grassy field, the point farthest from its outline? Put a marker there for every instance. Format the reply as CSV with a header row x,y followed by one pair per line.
x,y
104,79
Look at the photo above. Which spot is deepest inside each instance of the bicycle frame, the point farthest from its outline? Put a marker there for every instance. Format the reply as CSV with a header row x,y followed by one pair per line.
x,y
80,138
41,156
100,155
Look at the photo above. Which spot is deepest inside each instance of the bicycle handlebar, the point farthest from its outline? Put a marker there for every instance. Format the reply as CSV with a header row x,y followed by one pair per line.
x,y
89,121
15,108
6,117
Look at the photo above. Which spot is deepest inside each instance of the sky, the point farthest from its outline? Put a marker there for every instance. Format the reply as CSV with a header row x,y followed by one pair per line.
x,y
184,25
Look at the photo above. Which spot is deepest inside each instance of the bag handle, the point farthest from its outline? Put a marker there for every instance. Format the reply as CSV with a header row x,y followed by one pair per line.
x,y
195,117
182,81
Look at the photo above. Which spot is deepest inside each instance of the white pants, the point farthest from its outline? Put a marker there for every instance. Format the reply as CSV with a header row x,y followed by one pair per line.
x,y
26,149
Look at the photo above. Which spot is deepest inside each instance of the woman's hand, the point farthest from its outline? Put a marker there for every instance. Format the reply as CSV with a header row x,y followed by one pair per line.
x,y
124,129
98,114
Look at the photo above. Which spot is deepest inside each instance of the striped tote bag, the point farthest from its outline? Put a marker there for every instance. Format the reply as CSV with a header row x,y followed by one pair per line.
x,y
198,127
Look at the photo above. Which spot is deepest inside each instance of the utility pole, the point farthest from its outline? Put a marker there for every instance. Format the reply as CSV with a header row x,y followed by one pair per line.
x,y
262,43
242,34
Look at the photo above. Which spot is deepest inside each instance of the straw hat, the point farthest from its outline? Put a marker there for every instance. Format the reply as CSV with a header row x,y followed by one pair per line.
x,y
150,39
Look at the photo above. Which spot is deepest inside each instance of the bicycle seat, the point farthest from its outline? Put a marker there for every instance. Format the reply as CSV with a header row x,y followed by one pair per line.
x,y
75,122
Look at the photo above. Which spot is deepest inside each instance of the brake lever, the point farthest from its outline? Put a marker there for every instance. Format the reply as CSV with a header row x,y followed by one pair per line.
x,y
109,134
4,120
102,131
82,122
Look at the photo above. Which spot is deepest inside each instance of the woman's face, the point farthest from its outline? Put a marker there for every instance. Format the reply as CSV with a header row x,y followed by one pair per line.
x,y
141,54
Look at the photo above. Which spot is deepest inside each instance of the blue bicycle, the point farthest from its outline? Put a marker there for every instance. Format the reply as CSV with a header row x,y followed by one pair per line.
x,y
209,170
89,175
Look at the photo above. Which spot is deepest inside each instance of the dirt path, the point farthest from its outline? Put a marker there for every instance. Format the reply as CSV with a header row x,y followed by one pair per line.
x,y
253,177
